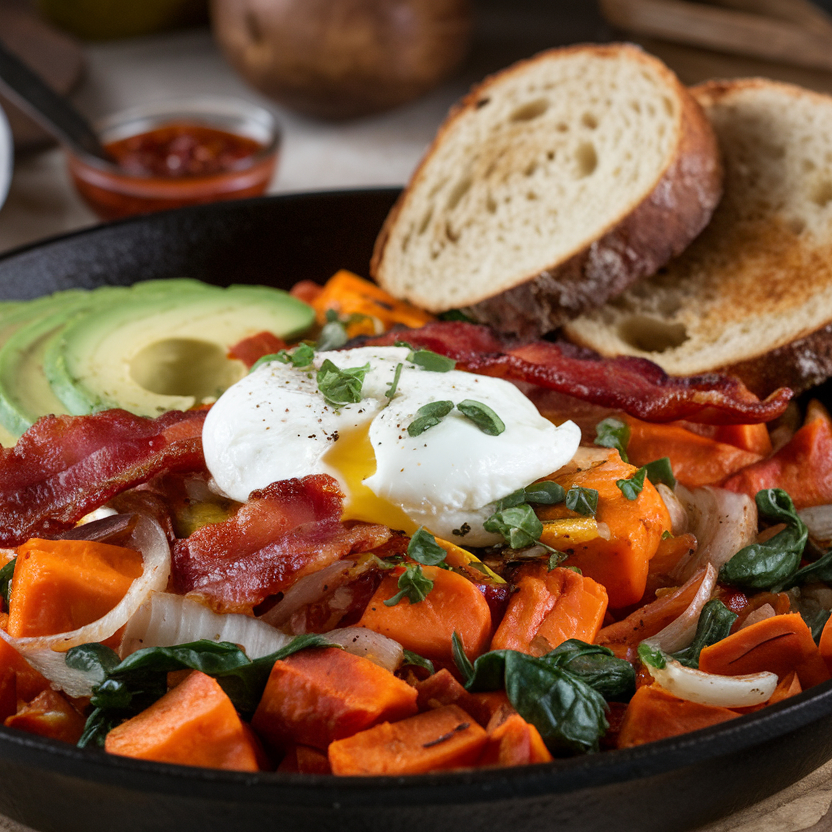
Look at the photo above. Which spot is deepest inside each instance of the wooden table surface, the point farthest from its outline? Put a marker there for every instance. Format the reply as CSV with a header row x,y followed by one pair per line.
x,y
379,150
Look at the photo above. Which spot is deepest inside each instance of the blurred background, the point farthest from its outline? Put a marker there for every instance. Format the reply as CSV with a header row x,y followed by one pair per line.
x,y
359,87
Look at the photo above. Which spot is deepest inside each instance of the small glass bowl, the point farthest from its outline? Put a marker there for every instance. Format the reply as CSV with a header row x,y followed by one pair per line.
x,y
114,192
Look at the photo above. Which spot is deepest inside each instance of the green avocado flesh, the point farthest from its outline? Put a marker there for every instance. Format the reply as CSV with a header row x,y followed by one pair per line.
x,y
155,346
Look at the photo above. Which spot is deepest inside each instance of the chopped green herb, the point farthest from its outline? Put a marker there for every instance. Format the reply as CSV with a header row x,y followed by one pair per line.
x,y
613,433
633,486
582,500
424,548
416,660
482,416
518,525
428,416
429,360
413,585
651,656
660,472
341,386
391,390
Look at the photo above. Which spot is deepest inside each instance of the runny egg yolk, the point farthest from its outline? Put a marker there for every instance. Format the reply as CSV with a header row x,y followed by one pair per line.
x,y
353,459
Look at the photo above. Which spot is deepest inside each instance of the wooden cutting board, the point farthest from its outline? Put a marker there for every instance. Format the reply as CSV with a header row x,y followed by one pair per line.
x,y
56,57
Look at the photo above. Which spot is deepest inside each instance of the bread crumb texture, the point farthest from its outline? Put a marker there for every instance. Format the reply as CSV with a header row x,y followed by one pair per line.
x,y
758,279
533,167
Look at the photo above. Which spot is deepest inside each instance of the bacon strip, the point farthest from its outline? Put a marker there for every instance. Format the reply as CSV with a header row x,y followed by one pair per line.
x,y
63,467
285,531
635,385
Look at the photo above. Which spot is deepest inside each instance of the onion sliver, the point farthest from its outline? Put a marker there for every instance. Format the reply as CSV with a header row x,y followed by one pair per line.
x,y
166,620
722,521
46,653
379,649
680,632
678,516
711,689
307,590
818,520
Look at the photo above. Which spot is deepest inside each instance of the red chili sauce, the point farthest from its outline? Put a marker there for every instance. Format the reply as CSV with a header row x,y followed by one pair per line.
x,y
181,150
171,166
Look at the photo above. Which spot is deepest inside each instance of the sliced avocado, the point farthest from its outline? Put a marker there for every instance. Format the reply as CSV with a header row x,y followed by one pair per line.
x,y
25,393
164,351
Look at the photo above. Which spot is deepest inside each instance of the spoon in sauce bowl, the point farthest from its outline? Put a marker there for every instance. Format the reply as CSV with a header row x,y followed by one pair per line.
x,y
155,156
50,110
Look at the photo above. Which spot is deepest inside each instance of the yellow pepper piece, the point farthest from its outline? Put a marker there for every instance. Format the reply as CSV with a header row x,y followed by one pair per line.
x,y
569,530
462,561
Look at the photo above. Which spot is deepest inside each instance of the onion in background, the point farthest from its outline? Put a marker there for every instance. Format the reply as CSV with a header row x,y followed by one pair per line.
x,y
339,59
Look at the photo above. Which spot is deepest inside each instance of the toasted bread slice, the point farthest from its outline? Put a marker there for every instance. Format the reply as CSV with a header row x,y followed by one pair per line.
x,y
753,295
551,187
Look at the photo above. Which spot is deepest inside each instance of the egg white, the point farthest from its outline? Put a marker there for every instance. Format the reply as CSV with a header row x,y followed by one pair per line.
x,y
275,424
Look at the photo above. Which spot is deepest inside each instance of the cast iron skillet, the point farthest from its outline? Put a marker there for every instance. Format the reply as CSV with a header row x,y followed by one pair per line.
x,y
676,784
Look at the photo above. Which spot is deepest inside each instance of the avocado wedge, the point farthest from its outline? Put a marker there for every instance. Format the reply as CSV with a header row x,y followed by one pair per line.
x,y
164,350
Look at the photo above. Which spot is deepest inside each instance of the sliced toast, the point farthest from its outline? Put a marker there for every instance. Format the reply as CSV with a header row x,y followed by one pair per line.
x,y
752,296
551,187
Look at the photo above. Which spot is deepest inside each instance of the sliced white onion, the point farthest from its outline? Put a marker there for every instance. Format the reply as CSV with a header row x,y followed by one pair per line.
x,y
165,620
818,520
678,516
680,632
722,521
46,653
711,689
307,590
379,649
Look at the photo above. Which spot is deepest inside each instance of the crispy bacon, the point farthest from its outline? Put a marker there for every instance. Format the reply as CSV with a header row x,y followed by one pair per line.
x,y
284,531
250,350
635,385
65,466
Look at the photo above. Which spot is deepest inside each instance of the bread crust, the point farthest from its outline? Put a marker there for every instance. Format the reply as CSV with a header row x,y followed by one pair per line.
x,y
800,365
761,276
656,229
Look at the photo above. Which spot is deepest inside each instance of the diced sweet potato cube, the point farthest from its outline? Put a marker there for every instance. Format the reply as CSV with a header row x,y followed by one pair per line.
x,y
60,585
435,740
195,724
317,696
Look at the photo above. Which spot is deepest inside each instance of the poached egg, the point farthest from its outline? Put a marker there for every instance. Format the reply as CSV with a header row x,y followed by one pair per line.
x,y
276,423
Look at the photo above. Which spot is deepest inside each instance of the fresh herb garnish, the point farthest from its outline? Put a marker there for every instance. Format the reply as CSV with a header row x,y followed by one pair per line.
x,y
413,584
428,416
431,414
299,357
632,486
518,525
394,385
431,361
584,501
416,660
660,472
339,386
482,416
423,548
613,433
